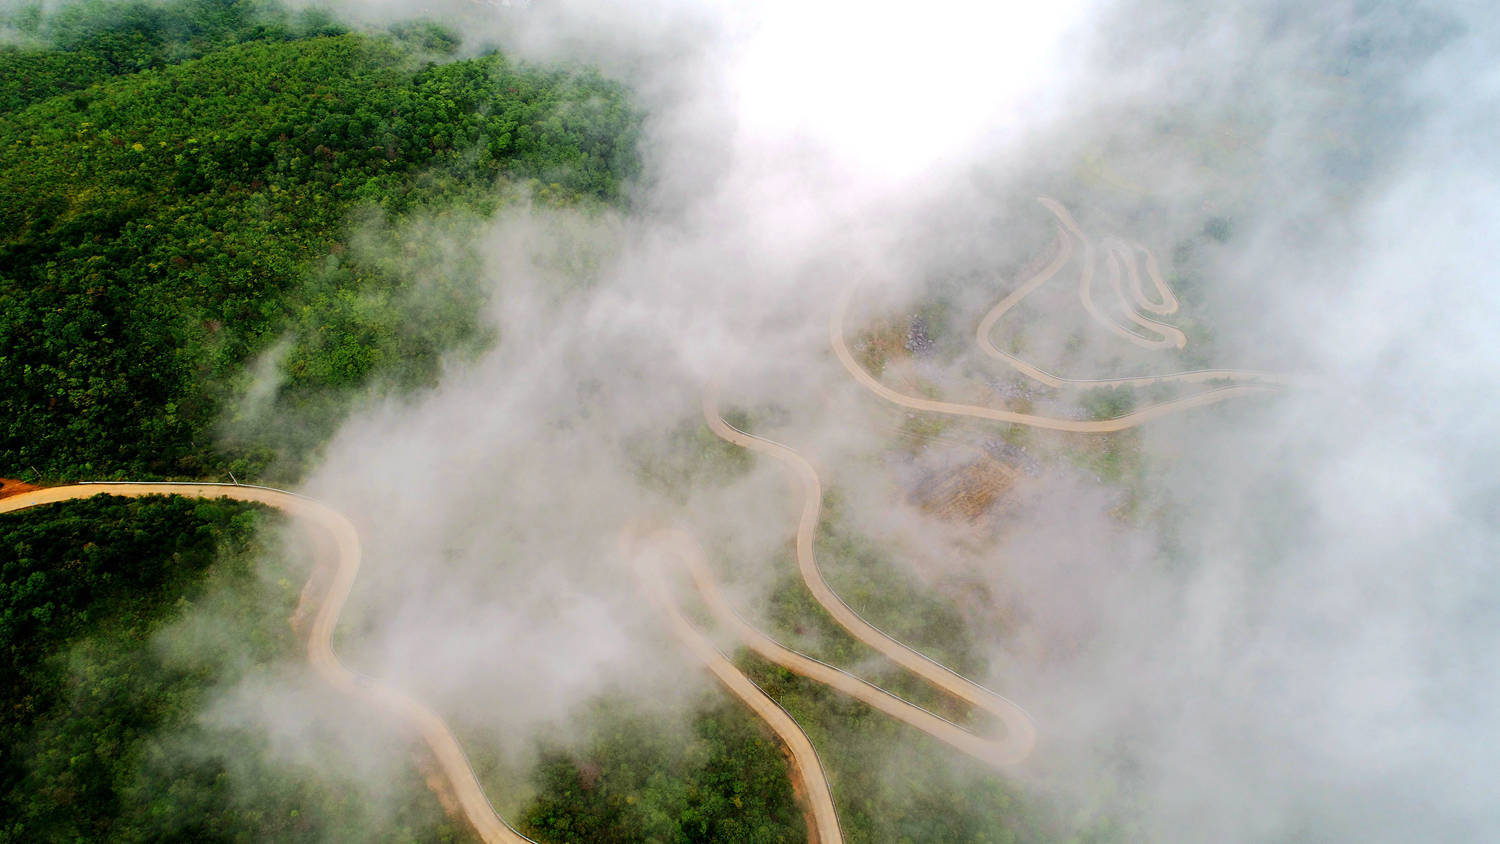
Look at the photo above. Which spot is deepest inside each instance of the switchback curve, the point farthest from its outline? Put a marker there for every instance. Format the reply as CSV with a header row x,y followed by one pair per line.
x,y
1053,423
806,768
1067,226
1167,304
1003,751
1020,736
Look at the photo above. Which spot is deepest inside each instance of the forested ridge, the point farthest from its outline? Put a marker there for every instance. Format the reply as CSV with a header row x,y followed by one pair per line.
x,y
160,228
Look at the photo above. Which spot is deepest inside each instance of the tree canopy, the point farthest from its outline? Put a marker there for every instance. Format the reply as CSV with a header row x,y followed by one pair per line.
x,y
165,223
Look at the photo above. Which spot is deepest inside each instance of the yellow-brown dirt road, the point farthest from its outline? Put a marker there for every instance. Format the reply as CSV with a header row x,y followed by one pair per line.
x,y
1053,423
806,768
1005,750
1020,735
454,764
1068,232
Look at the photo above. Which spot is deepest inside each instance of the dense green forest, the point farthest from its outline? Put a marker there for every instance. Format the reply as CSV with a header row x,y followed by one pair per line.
x,y
639,780
192,205
81,43
181,187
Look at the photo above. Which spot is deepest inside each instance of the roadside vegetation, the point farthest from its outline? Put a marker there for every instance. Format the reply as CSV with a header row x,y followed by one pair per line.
x,y
687,456
637,779
1108,402
892,783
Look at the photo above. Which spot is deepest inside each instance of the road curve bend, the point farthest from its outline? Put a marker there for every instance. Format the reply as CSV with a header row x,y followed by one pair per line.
x,y
1020,734
806,768
1167,304
1053,423
1171,336
1002,751
455,765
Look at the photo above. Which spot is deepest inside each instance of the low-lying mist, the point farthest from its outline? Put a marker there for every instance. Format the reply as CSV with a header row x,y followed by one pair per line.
x,y
1263,619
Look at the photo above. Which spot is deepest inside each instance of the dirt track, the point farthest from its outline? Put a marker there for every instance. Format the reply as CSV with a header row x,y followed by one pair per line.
x,y
1006,750
1012,747
1264,382
455,765
1168,303
1170,337
806,768
1020,735
1067,232
1053,423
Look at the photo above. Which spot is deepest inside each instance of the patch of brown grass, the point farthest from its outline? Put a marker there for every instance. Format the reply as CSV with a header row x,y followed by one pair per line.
x,y
968,492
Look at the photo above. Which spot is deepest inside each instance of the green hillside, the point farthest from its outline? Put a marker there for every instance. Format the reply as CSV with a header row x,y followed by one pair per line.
x,y
161,228
181,187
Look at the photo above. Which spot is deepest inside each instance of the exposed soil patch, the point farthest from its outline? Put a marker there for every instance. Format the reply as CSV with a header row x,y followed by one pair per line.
x,y
432,775
968,492
11,486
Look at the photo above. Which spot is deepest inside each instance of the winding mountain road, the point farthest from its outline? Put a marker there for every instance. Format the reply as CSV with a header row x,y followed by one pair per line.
x,y
806,770
454,764
1170,336
1006,750
450,756
1067,232
1053,423
1019,734
1167,303
1263,382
